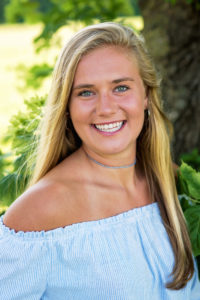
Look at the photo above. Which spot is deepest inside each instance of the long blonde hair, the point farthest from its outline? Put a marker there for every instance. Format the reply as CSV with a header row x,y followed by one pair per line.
x,y
153,145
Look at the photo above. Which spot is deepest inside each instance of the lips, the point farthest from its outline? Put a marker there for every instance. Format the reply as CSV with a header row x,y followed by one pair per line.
x,y
109,127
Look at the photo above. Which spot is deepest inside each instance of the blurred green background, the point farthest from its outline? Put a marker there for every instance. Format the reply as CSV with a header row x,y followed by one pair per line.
x,y
31,35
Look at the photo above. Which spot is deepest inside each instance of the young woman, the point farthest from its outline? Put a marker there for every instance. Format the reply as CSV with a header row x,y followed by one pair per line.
x,y
101,218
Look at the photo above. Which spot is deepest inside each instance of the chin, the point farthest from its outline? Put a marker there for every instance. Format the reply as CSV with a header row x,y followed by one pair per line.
x,y
112,150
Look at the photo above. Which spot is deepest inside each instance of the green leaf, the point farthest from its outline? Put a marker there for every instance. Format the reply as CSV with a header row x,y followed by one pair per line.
x,y
21,134
192,216
192,158
192,179
181,185
33,77
22,10
185,201
8,187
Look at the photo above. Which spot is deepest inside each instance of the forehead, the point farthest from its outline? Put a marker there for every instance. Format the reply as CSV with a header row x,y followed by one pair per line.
x,y
106,60
109,50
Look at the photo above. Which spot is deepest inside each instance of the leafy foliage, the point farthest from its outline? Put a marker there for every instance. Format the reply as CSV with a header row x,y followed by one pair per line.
x,y
192,215
195,3
188,187
4,163
54,14
20,11
3,3
61,12
34,76
192,158
21,136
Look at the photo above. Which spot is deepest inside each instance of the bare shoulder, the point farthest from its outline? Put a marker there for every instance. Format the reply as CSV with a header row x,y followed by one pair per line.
x,y
51,203
38,208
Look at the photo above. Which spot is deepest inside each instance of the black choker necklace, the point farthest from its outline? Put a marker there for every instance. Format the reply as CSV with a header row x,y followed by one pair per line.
x,y
110,167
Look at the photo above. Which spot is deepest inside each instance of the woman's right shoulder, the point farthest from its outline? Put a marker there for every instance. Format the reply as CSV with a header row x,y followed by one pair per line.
x,y
37,208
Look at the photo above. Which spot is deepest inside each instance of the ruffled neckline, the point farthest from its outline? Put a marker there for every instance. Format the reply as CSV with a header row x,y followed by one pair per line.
x,y
129,216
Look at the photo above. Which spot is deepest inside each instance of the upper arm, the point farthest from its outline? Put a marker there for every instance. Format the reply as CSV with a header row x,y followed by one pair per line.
x,y
34,210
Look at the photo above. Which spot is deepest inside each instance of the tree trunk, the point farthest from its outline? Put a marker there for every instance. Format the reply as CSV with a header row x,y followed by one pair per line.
x,y
172,34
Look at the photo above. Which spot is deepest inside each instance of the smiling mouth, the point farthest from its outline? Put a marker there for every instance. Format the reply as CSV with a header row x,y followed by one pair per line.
x,y
111,127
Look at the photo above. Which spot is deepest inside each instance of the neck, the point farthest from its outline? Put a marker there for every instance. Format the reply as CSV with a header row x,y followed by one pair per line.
x,y
116,171
111,167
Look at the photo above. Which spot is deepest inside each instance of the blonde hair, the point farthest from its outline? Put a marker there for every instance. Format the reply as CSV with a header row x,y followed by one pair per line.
x,y
153,145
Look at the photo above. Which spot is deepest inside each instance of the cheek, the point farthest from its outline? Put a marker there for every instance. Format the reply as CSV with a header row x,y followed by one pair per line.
x,y
134,107
80,116
80,110
76,112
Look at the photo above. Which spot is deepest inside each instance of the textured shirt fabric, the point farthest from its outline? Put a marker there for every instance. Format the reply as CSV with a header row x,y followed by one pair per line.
x,y
124,257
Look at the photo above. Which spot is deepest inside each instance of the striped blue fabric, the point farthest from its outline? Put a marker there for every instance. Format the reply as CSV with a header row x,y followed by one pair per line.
x,y
123,257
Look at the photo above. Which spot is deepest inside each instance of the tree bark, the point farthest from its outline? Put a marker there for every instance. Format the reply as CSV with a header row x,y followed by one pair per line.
x,y
172,34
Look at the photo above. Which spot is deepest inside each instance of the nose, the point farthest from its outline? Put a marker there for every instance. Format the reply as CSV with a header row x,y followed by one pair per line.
x,y
106,105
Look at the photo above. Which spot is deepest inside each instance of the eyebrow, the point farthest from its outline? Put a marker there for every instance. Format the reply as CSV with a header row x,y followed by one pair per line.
x,y
123,79
81,86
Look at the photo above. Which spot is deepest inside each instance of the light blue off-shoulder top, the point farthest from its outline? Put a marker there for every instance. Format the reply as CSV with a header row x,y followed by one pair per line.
x,y
123,257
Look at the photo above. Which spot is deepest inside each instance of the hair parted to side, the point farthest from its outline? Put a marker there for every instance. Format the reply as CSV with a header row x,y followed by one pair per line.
x,y
153,145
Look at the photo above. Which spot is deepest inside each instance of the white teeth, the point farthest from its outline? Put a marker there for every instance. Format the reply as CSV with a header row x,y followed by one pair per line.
x,y
110,127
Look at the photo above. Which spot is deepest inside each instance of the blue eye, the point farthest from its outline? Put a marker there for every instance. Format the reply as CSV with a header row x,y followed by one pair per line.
x,y
121,88
85,93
